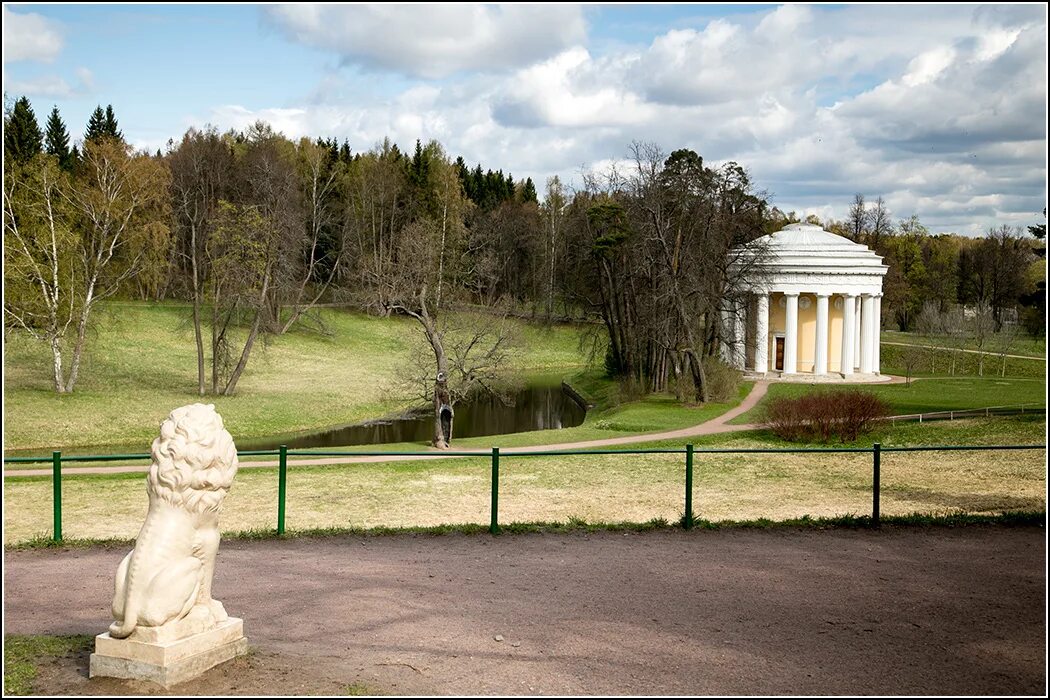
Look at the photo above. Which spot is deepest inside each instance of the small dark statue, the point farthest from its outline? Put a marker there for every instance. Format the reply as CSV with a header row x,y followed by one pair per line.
x,y
443,413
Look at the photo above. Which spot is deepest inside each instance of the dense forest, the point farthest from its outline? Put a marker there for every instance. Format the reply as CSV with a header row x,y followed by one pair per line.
x,y
252,230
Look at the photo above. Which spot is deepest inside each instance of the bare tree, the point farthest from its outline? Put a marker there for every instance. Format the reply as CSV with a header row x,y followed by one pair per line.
x,y
376,207
858,218
955,335
1004,341
554,205
201,169
315,260
426,255
982,328
881,224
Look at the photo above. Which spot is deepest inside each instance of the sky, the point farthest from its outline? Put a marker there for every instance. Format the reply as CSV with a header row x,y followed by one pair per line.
x,y
939,109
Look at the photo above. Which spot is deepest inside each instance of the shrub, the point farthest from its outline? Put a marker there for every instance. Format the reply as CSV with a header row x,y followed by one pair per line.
x,y
821,415
723,382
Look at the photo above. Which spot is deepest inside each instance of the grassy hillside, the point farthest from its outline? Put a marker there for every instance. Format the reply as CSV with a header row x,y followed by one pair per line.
x,y
140,363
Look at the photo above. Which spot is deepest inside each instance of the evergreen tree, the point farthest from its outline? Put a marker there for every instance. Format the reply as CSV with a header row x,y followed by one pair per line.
x,y
22,137
528,192
111,124
344,152
57,140
96,126
419,175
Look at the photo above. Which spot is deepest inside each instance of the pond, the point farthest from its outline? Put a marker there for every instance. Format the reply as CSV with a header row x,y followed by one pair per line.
x,y
535,407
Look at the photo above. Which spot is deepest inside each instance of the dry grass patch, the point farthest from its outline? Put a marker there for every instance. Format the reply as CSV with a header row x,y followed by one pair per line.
x,y
598,488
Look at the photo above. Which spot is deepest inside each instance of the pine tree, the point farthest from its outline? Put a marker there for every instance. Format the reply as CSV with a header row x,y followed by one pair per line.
x,y
344,152
96,126
528,191
22,137
111,124
57,140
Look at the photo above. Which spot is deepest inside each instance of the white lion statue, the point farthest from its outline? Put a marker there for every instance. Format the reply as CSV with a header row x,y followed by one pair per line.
x,y
167,576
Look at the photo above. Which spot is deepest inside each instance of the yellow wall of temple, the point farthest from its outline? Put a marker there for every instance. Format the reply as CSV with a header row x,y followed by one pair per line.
x,y
807,331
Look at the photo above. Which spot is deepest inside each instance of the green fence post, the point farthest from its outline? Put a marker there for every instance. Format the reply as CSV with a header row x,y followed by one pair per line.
x,y
876,454
282,487
56,495
494,521
687,521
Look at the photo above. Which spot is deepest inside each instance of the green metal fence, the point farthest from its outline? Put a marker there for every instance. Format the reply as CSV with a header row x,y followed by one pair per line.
x,y
689,451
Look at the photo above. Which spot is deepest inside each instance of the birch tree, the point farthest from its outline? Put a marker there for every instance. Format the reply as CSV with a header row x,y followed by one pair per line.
x,y
42,285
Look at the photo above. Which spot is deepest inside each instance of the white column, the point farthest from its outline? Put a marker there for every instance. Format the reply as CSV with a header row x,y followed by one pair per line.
x,y
849,308
867,316
877,335
791,334
820,364
762,335
856,333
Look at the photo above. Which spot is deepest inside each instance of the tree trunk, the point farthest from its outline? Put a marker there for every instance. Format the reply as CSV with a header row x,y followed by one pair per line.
x,y
443,410
200,342
252,334
78,349
56,353
231,385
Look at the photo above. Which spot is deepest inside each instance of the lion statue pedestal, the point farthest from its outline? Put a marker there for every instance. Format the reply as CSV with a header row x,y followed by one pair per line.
x,y
168,628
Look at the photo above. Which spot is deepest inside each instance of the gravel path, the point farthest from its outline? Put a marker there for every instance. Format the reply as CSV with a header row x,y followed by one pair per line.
x,y
844,612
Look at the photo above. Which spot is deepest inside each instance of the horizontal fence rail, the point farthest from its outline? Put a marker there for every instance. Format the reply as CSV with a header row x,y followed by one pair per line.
x,y
1012,410
494,455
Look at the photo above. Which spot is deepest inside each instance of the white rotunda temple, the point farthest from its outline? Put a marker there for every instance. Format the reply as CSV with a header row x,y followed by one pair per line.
x,y
813,308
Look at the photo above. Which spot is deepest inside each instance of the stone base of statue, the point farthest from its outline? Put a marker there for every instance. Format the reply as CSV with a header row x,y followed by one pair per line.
x,y
170,654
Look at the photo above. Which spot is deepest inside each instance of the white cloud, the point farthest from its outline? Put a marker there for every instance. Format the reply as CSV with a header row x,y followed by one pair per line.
x,y
433,41
30,37
942,111
54,86
564,92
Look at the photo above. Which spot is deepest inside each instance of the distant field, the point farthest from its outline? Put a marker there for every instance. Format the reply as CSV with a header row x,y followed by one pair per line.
x,y
1023,345
938,362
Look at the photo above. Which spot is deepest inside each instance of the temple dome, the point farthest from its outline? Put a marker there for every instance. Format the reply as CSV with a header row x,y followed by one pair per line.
x,y
807,236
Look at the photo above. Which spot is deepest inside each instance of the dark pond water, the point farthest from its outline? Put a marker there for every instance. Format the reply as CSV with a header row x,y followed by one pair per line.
x,y
542,407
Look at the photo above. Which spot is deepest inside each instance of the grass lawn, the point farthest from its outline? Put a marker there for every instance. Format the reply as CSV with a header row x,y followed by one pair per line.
x,y
925,394
23,652
936,362
141,363
599,488
1024,345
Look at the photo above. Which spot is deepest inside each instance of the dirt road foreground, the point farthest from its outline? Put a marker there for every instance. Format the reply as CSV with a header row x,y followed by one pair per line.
x,y
843,612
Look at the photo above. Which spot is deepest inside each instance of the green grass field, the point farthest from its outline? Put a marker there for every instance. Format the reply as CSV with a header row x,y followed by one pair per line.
x,y
938,362
1022,345
925,394
141,363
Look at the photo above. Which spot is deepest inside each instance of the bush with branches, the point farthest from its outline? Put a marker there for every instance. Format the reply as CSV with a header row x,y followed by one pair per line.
x,y
821,415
